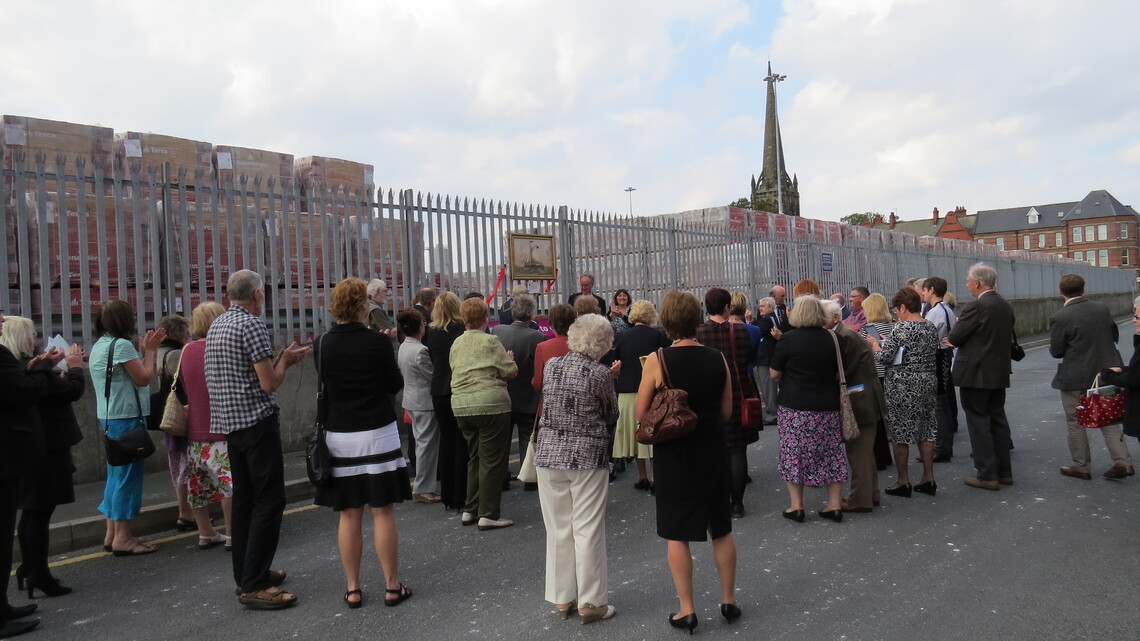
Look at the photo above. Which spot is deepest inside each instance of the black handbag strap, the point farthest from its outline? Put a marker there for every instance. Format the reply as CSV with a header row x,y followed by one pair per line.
x,y
322,405
107,384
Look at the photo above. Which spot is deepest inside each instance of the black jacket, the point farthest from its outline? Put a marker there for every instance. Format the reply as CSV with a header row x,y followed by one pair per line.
x,y
20,393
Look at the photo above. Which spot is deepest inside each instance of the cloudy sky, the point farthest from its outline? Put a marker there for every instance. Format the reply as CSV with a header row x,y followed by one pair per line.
x,y
889,105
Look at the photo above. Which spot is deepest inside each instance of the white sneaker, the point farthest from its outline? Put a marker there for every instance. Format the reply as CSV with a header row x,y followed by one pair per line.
x,y
493,524
467,518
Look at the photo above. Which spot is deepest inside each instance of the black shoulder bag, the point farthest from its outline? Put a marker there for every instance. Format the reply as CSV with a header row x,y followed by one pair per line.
x,y
318,461
134,444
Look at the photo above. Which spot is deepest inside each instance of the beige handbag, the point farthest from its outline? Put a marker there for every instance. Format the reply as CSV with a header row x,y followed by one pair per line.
x,y
528,473
175,420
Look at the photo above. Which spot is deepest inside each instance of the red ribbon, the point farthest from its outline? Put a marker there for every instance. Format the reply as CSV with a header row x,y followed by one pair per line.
x,y
498,284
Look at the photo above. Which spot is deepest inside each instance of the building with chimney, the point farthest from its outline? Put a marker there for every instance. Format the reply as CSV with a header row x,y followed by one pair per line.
x,y
956,224
1098,229
774,185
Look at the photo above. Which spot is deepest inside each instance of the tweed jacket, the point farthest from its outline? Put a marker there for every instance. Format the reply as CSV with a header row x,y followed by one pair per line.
x,y
579,403
983,335
1083,335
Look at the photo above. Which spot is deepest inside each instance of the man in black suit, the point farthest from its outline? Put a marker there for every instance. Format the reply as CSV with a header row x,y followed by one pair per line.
x,y
586,284
424,302
1083,335
780,320
983,336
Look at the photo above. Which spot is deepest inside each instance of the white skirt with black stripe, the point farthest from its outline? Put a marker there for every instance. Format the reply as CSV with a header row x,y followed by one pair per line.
x,y
368,468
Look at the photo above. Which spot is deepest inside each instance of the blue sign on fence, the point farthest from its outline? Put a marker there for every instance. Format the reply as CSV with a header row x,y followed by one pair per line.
x,y
826,256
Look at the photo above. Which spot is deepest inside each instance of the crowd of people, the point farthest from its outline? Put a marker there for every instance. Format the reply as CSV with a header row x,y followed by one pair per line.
x,y
813,367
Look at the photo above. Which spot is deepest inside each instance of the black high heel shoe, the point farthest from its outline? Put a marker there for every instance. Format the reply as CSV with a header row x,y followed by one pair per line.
x,y
730,611
795,515
900,490
687,622
929,487
835,515
50,587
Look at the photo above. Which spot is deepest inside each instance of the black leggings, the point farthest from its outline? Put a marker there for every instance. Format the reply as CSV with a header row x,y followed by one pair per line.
x,y
738,470
33,535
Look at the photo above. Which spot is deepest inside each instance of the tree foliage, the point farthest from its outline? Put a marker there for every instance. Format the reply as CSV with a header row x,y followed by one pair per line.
x,y
759,204
859,219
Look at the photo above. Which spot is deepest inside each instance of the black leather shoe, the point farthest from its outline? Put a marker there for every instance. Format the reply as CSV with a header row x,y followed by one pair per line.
x,y
15,628
687,622
21,611
835,515
729,611
942,458
930,487
900,490
794,515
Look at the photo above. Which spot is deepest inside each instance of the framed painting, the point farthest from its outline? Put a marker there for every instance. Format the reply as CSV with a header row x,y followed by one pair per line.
x,y
532,257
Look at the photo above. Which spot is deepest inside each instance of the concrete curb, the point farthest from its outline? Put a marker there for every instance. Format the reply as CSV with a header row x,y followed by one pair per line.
x,y
77,534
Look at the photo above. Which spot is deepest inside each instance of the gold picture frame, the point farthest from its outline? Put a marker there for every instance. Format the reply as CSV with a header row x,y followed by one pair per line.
x,y
532,257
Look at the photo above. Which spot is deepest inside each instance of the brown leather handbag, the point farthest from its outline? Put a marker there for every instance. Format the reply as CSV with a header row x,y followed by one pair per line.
x,y
668,416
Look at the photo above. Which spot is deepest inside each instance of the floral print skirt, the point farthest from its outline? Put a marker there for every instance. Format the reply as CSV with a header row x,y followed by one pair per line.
x,y
811,447
208,472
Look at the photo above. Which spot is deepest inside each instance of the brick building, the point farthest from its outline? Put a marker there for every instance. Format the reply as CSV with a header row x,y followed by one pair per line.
x,y
956,224
1098,229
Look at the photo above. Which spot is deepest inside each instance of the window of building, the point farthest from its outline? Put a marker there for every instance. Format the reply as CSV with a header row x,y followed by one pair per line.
x,y
1102,232
1000,243
1040,241
1060,238
1124,230
1078,255
1025,241
1124,257
1104,258
1090,233
1078,234
1033,217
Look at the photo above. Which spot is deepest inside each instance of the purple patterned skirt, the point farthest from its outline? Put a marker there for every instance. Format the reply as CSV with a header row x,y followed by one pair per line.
x,y
811,447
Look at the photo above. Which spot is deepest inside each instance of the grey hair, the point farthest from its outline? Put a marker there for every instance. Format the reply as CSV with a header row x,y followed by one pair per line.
x,y
591,335
808,312
519,290
1136,303
590,276
376,285
767,300
832,309
523,308
242,285
984,274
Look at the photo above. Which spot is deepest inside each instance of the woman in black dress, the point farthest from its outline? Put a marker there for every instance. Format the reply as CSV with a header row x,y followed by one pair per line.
x,y
445,327
358,373
692,471
629,347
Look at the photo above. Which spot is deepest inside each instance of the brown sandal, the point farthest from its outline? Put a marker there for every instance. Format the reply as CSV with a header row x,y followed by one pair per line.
x,y
267,599
138,548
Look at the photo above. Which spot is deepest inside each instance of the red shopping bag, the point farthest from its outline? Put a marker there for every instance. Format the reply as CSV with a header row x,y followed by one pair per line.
x,y
1101,406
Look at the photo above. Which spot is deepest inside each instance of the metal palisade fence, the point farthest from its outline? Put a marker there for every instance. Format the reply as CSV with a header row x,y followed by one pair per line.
x,y
82,230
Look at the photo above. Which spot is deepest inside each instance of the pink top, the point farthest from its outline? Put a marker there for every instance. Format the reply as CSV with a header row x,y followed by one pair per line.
x,y
192,378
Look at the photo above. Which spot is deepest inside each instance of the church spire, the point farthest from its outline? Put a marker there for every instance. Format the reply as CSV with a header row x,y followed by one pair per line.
x,y
774,184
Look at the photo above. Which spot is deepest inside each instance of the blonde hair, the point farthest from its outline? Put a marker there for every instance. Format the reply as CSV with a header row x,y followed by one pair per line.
x,y
808,312
738,305
642,311
203,316
446,311
875,309
19,336
680,315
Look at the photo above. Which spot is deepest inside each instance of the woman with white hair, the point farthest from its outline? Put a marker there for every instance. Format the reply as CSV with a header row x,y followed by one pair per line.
x,y
572,456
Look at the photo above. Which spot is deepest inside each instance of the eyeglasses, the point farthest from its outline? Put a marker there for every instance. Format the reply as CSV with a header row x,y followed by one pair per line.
x,y
1135,317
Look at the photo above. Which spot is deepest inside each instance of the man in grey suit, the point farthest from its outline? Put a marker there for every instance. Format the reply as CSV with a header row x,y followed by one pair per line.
x,y
1083,335
983,335
519,339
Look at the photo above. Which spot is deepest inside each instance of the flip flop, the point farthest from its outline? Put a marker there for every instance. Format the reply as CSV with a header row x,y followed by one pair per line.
x,y
185,525
138,549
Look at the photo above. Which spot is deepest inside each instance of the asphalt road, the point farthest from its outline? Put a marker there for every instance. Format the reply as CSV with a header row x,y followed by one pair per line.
x,y
1047,558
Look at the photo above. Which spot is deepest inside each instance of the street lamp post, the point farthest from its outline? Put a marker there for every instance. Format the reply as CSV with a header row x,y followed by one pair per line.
x,y
630,190
774,78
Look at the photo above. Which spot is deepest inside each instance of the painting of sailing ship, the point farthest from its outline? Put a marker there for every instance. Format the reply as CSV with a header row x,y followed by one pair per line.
x,y
532,257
